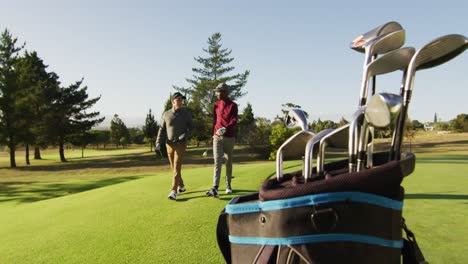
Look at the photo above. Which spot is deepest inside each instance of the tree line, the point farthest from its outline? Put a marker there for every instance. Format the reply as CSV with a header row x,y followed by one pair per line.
x,y
36,110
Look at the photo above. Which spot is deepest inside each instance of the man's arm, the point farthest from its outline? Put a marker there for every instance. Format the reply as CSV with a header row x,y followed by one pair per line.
x,y
162,134
190,126
233,116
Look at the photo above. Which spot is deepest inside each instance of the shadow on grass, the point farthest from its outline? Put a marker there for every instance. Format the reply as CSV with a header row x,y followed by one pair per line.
x,y
32,192
437,196
145,159
202,194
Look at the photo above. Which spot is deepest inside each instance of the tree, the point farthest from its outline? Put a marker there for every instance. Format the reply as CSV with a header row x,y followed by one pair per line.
x,y
101,137
68,115
10,122
320,125
136,135
83,139
460,123
214,69
150,129
417,125
119,134
34,83
246,126
435,118
279,134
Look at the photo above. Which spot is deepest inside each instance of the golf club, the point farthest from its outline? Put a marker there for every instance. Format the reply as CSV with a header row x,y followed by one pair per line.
x,y
390,62
381,111
435,53
310,151
382,44
293,146
359,42
297,117
337,139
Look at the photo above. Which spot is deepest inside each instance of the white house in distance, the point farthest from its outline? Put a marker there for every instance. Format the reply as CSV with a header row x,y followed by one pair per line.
x,y
428,127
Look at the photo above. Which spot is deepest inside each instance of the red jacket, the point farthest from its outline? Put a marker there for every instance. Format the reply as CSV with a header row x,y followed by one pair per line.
x,y
225,115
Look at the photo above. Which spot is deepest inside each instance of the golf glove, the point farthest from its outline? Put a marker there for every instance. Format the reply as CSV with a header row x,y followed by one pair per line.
x,y
221,131
182,137
158,148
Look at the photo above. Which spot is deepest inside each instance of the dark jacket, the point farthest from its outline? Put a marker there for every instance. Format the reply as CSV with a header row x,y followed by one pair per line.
x,y
176,126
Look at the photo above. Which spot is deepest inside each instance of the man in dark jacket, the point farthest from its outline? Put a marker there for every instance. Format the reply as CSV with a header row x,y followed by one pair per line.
x,y
176,128
224,129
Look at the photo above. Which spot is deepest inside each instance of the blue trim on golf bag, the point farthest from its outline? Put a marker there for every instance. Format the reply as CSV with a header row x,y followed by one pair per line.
x,y
313,200
317,239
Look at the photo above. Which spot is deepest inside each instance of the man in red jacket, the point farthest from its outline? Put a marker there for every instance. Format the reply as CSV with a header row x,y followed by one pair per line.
x,y
224,129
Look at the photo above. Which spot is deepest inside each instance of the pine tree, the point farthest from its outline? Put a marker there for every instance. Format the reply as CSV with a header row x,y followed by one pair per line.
x,y
246,126
10,121
215,68
34,83
119,134
150,129
68,115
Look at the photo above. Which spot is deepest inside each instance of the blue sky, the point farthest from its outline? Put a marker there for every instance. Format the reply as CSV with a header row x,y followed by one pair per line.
x,y
132,52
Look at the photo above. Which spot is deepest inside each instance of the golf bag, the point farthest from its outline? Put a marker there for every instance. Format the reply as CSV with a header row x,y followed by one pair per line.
x,y
339,218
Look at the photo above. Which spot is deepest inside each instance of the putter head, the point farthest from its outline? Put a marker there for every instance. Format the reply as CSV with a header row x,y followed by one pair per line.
x,y
383,109
297,117
392,61
358,43
439,51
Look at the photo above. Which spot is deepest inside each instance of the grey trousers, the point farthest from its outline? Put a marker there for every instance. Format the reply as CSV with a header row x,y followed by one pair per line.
x,y
222,147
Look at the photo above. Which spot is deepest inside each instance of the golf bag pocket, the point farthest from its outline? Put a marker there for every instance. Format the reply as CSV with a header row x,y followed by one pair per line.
x,y
338,224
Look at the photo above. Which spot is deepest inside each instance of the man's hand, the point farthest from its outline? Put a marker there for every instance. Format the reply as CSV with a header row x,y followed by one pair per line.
x,y
157,147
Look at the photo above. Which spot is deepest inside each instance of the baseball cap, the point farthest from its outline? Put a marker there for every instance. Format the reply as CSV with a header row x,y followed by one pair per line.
x,y
222,87
178,95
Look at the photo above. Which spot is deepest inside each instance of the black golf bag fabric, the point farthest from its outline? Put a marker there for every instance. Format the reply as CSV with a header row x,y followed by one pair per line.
x,y
340,218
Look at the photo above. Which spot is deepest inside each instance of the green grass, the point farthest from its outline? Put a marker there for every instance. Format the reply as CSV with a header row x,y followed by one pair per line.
x,y
130,222
112,207
436,206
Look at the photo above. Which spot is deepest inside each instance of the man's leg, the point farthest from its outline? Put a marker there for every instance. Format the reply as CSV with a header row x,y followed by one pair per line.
x,y
218,159
228,146
171,156
178,157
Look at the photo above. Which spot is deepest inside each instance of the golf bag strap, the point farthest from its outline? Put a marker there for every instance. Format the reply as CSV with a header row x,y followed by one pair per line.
x,y
411,252
222,235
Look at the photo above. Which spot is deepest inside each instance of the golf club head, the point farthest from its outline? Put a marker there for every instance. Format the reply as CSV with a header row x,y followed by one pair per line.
x,y
383,109
292,147
390,62
297,117
338,138
312,150
358,43
439,51
436,52
385,43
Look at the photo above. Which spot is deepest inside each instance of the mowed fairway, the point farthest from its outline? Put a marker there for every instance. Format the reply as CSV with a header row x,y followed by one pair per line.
x,y
114,208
